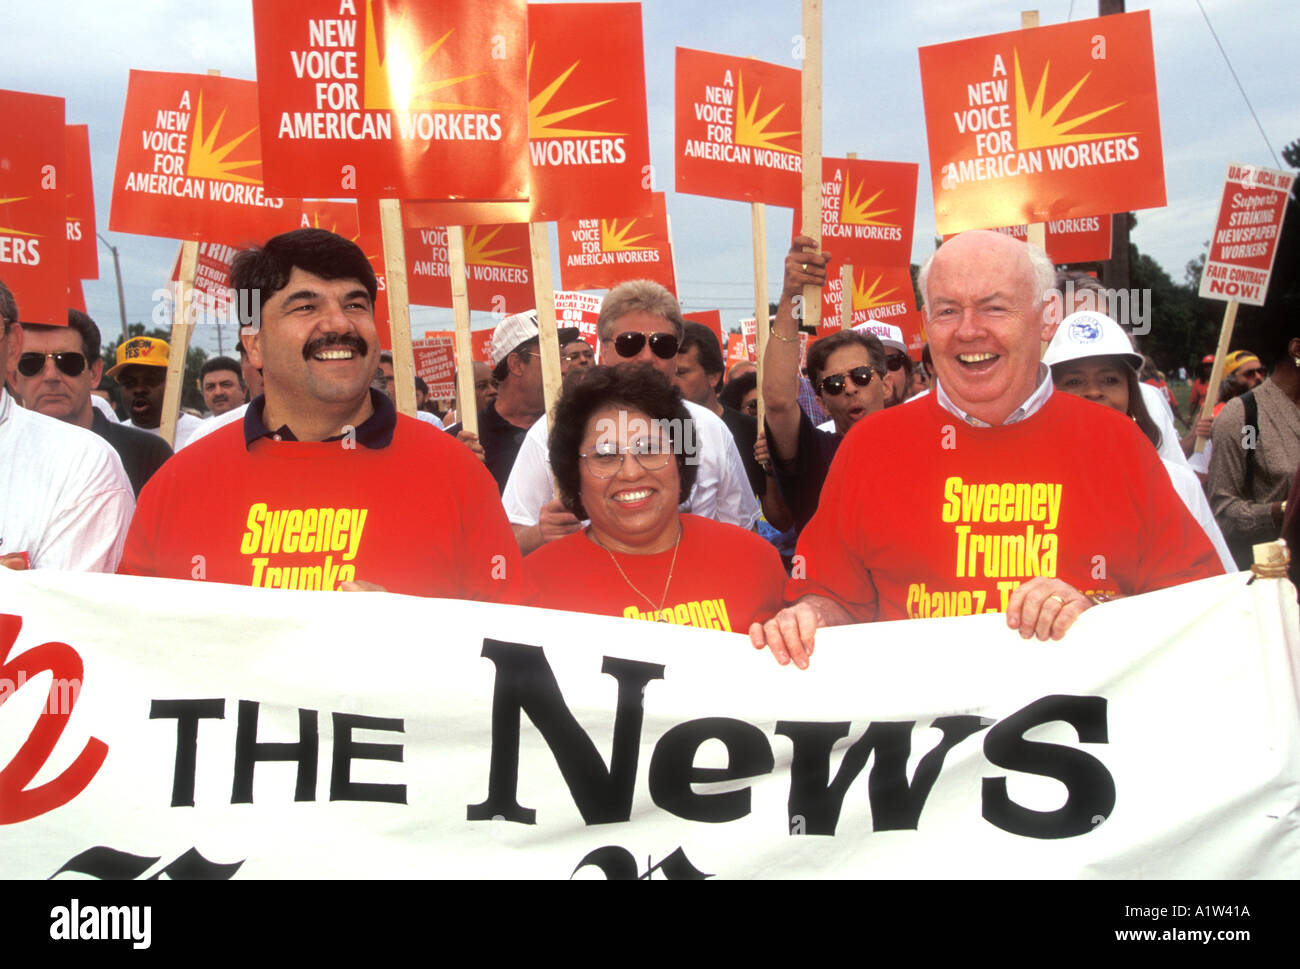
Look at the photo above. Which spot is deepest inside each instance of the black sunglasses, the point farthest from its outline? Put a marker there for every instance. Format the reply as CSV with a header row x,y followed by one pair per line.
x,y
70,362
662,345
894,361
833,386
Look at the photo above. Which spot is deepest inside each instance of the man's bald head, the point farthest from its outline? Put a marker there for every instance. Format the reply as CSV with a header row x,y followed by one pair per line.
x,y
985,293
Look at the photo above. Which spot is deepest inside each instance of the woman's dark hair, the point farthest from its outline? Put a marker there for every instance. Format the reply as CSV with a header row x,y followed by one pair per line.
x,y
637,387
1137,407
733,395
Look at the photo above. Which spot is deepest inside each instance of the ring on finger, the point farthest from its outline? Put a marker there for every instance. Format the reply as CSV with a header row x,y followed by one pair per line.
x,y
1058,597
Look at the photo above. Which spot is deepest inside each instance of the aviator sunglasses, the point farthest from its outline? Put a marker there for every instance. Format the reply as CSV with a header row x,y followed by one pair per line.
x,y
833,386
662,345
70,362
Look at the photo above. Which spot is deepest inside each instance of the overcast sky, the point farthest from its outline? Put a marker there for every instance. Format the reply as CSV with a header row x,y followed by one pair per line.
x,y
82,50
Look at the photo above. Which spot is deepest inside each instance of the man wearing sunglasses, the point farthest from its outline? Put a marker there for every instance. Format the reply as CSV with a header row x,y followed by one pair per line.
x,y
58,368
898,365
141,372
65,501
1016,500
639,322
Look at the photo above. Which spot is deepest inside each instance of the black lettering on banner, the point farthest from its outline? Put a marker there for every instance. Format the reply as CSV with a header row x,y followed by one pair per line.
x,y
188,713
248,752
673,770
525,682
1090,787
346,750
895,804
617,864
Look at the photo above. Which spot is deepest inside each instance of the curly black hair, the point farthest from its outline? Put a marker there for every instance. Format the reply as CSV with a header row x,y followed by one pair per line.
x,y
634,387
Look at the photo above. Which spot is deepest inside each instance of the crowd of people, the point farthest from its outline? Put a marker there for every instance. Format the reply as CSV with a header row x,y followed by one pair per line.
x,y
1022,466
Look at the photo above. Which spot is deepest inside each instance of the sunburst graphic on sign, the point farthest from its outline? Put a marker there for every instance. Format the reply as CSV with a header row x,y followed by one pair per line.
x,y
540,124
614,239
393,76
316,222
855,210
17,232
870,297
752,130
478,251
1037,127
208,158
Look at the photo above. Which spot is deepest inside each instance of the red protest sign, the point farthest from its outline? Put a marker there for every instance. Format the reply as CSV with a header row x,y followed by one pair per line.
x,y
581,310
211,276
480,343
738,126
735,349
1042,124
587,138
421,215
371,240
83,247
76,296
393,98
189,162
867,210
498,267
33,230
879,293
435,364
1245,236
1082,239
710,318
339,217
601,253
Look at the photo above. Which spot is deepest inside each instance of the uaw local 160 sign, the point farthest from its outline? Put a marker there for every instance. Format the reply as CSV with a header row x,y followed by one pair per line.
x,y
189,162
1043,124
1245,236
394,98
738,130
241,729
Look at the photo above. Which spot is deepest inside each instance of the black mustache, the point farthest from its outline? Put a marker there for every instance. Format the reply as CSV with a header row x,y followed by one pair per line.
x,y
350,340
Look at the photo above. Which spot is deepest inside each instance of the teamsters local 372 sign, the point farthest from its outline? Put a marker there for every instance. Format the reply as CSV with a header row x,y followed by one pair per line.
x,y
243,732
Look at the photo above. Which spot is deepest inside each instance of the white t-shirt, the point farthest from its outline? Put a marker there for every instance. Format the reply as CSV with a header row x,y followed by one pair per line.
x,y
105,408
211,424
1189,489
428,418
721,490
1171,448
64,498
186,425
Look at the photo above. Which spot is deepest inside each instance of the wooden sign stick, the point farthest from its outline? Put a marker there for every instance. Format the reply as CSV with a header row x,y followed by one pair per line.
x,y
179,343
762,325
467,402
399,310
846,286
539,243
811,121
1216,372
1037,230
178,346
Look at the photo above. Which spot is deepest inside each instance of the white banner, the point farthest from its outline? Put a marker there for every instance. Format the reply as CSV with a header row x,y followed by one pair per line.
x,y
220,731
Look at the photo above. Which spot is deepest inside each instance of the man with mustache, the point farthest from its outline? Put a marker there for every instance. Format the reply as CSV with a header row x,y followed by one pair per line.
x,y
141,372
322,484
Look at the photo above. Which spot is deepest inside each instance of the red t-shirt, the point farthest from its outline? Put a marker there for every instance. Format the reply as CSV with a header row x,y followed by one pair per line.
x,y
421,516
724,578
923,515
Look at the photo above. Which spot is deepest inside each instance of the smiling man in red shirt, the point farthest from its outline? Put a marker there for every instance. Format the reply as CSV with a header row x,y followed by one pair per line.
x,y
1016,500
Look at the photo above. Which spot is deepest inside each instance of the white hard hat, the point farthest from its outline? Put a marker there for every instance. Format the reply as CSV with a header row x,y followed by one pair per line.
x,y
1089,334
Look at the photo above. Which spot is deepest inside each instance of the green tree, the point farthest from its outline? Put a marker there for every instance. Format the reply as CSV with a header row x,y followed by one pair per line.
x,y
191,396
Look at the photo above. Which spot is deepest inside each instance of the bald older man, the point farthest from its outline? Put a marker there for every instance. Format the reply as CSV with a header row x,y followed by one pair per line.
x,y
1017,500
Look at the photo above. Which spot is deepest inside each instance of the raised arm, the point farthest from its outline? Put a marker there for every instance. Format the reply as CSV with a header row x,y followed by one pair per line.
x,y
803,266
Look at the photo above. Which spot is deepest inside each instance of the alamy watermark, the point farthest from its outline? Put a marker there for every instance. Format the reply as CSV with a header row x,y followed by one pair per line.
x,y
1130,308
658,435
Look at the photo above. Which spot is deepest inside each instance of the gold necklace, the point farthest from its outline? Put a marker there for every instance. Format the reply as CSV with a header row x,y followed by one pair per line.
x,y
659,613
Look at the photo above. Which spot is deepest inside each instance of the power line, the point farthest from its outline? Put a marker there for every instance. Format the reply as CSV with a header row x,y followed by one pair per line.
x,y
1239,87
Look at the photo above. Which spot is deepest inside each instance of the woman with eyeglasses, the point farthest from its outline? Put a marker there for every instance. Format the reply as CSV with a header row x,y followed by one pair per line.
x,y
1091,357
624,452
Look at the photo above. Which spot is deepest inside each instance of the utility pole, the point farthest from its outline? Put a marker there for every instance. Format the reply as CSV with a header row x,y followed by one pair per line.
x,y
1116,272
121,300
